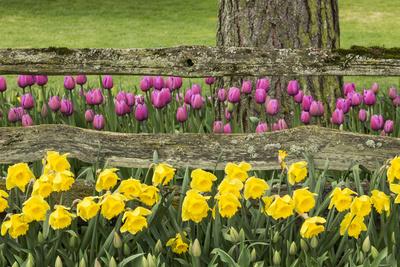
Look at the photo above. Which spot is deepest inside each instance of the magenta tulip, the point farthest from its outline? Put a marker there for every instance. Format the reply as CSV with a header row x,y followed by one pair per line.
x,y
188,96
227,115
141,112
293,88
69,83
158,82
13,115
388,127
392,92
196,89
66,107
3,84
305,117
337,117
263,84
121,96
234,95
272,107
396,101
197,101
218,127
157,99
348,88
121,108
260,96
227,129
362,115
107,82
375,88
343,104
306,102
181,114
97,97
262,127
173,83
130,99
41,80
376,122
22,81
81,79
209,80
54,103
316,108
99,122
139,99
146,83
26,120
222,95
89,115
369,98
246,87
282,124
356,99
298,98
27,101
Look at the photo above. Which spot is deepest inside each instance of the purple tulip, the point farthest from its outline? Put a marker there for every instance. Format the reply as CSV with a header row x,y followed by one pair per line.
x,y
27,101
54,103
3,84
337,117
316,108
234,95
227,115
66,107
396,101
121,108
275,127
262,127
305,117
44,111
222,95
181,114
293,88
97,97
121,96
375,88
89,115
158,82
356,99
263,84
146,83
362,115
157,99
348,88
166,95
130,99
260,96
196,89
369,98
218,127
272,107
141,112
81,79
343,104
209,80
188,96
69,83
13,115
246,87
31,79
41,80
22,81
227,129
173,83
306,102
196,101
298,98
99,122
107,82
139,99
388,126
392,92
26,120
376,122
282,124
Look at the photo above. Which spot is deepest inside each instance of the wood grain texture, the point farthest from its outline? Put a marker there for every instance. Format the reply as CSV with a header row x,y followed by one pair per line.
x,y
207,151
200,61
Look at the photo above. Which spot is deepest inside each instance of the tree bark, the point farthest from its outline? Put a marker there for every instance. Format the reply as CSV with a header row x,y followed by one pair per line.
x,y
284,24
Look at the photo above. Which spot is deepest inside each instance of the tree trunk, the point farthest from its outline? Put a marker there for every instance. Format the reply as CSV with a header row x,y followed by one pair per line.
x,y
284,24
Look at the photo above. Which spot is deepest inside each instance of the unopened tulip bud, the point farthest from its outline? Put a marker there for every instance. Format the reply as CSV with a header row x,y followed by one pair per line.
x,y
117,242
392,92
227,129
262,127
158,247
26,120
69,83
260,95
314,242
361,257
293,248
218,127
181,114
366,245
196,248
234,95
298,98
362,115
73,241
276,259
376,122
388,127
303,245
97,263
99,122
246,87
126,250
375,88
242,236
374,252
3,84
293,88
58,262
81,79
112,262
209,80
107,82
40,237
263,84
234,235
221,95
151,261
41,80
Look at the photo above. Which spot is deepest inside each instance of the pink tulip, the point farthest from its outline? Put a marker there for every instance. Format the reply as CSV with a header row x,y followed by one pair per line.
x,y
305,117
89,115
227,129
306,102
69,83
99,122
3,84
130,99
343,104
141,112
158,82
54,103
376,122
316,108
81,79
197,101
26,120
293,88
234,95
218,127
337,117
196,89
188,96
41,80
362,115
262,127
209,80
27,101
181,114
298,98
246,87
348,88
260,96
66,107
388,127
392,93
146,83
173,83
222,95
121,108
369,98
356,99
375,88
272,107
263,84
107,83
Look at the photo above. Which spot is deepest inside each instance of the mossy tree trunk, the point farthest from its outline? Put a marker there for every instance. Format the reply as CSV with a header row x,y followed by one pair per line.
x,y
284,24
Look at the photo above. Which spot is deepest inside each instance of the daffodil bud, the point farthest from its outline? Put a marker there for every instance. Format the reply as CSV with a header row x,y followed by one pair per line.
x,y
127,250
242,236
82,262
73,241
158,247
293,249
234,234
196,248
112,262
366,245
303,245
58,262
361,257
144,262
253,255
151,260
314,242
374,252
97,263
276,237
117,242
276,259
40,237
15,264
30,261
393,238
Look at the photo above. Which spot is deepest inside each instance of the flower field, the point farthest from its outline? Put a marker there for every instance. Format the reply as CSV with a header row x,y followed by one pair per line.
x,y
162,216
171,105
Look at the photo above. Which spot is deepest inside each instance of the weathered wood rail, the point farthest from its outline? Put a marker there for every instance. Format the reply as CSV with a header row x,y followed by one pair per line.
x,y
200,61
207,151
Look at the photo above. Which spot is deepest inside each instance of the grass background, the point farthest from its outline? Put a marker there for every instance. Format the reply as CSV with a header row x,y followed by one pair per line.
x,y
157,23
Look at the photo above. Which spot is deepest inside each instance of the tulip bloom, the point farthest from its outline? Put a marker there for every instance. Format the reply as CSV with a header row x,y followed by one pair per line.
x,y
260,95
89,115
54,103
69,83
337,117
26,120
392,92
222,95
388,126
375,88
81,79
27,101
263,84
293,88
98,122
209,80
343,104
305,117
246,87
41,80
158,82
262,127
376,122
356,99
218,127
272,107
298,98
234,95
66,107
181,114
227,128
197,101
107,82
196,89
121,108
369,98
3,84
188,96
157,99
362,115
348,88
22,81
316,109
306,102
141,112
146,83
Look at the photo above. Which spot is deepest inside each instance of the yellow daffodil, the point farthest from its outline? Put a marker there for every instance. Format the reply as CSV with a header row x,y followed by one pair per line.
x,y
297,172
3,200
304,200
237,171
194,206
282,154
63,181
35,209
267,200
353,224
232,186
112,205
393,171
177,244
228,205
149,194
87,208
163,174
395,188
281,207
16,225
130,188
341,199
42,187
56,162
202,181
107,179
60,218
255,188
381,201
312,227
18,175
135,221
361,206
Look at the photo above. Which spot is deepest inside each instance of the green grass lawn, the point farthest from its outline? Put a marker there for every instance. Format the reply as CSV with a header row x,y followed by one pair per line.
x,y
156,23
